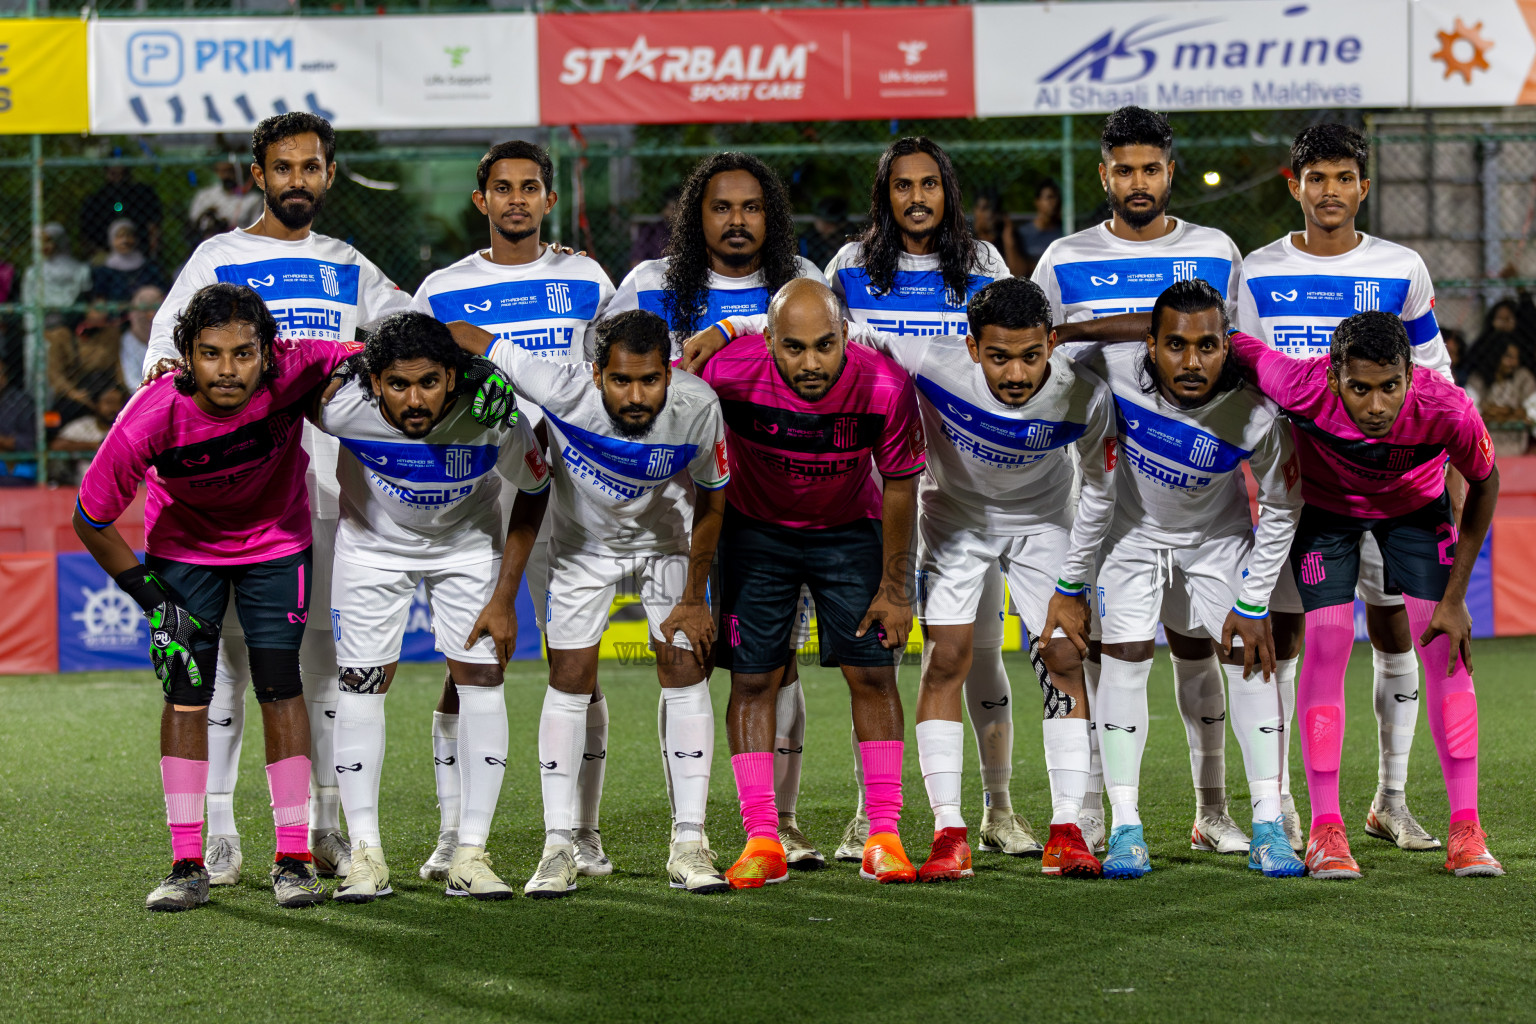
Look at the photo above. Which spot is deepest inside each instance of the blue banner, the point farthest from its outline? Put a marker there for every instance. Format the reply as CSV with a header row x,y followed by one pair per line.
x,y
100,627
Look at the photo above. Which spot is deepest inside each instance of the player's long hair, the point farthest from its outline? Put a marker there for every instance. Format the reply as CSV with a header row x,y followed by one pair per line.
x,y
685,295
952,240
1194,296
221,305
405,336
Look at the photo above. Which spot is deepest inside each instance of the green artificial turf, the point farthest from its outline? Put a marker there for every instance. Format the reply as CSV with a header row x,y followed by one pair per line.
x,y
82,841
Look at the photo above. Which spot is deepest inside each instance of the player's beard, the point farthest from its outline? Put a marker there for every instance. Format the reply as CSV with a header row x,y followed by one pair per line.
x,y
633,430
515,236
293,219
1138,219
831,381
731,257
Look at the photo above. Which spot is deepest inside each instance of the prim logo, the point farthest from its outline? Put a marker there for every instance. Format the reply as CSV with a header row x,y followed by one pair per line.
x,y
1184,270
1289,296
1202,452
659,464
845,432
457,462
328,280
1367,296
1102,282
559,295
1039,435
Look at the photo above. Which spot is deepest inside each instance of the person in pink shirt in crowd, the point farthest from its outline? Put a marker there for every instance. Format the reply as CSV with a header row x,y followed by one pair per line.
x,y
1373,432
809,420
217,445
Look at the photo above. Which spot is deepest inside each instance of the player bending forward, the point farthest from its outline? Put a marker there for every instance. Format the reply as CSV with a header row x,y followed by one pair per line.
x,y
1182,547
420,486
638,491
1373,432
217,445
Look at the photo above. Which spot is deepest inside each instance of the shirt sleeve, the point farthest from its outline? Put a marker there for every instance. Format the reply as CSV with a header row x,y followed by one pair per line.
x,y
114,474
1281,377
1247,309
1470,447
196,274
907,350
993,263
1234,280
902,452
377,295
1277,469
811,270
1045,277
605,296
533,377
834,281
627,295
421,302
1423,330
521,460
1097,454
710,468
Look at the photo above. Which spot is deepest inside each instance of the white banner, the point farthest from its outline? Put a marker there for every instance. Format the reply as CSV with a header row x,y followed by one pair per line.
x,y
226,74
1473,53
1228,55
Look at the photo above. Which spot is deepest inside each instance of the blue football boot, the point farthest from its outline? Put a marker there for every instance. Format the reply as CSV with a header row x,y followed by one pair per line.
x,y
1271,853
1127,854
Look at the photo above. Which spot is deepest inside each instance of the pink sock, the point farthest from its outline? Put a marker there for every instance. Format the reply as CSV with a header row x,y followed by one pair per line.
x,y
185,783
1452,706
882,783
754,786
1320,706
288,781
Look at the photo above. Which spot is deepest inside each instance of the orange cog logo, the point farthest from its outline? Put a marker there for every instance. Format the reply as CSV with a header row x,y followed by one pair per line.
x,y
1472,36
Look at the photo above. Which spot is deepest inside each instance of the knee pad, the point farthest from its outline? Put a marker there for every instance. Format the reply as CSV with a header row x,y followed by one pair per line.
x,y
1460,713
361,680
275,674
1324,737
179,688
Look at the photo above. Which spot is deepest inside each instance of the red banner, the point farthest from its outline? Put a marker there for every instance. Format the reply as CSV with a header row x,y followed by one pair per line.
x,y
769,65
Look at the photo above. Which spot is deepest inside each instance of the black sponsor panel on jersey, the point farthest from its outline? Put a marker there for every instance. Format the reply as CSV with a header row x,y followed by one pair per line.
x,y
811,433
1383,457
251,443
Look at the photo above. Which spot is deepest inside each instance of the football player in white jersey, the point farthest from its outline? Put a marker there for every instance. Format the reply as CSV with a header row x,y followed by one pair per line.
x,y
316,287
420,497
1117,269
1182,547
911,273
1294,292
545,300
638,491
999,411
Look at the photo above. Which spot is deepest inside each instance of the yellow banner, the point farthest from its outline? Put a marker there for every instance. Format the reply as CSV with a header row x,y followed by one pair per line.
x,y
42,76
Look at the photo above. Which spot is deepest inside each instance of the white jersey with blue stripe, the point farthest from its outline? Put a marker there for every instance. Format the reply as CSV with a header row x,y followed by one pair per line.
x,y
919,302
548,306
1095,273
613,494
644,288
1178,478
315,287
425,503
1293,300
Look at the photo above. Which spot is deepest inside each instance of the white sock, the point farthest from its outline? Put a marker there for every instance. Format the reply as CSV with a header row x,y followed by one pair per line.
x,y
226,727
1093,793
666,755
1395,692
482,758
594,762
1203,706
1122,718
940,755
1256,723
788,742
1285,677
989,700
858,772
320,702
1067,755
562,738
359,760
691,745
445,769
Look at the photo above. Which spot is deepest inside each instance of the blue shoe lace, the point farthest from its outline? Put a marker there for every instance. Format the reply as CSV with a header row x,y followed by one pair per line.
x,y
1127,854
1271,851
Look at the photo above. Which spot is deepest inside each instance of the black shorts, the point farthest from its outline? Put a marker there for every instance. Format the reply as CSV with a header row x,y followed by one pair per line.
x,y
271,598
762,567
1417,550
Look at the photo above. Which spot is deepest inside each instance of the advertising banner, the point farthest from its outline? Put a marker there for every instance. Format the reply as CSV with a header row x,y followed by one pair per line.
x,y
1473,53
764,65
100,627
42,76
1237,54
226,74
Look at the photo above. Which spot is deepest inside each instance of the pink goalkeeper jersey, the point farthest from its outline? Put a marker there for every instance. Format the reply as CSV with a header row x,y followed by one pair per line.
x,y
808,464
1344,471
223,490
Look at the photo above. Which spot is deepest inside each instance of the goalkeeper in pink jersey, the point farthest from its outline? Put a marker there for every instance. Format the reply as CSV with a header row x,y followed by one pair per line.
x,y
1373,432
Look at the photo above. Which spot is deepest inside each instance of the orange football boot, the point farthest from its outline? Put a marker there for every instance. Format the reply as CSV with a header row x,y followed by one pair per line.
x,y
761,863
885,861
1067,854
1328,853
1468,855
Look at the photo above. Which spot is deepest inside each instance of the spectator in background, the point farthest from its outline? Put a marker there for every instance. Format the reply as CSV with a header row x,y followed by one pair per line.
x,y
60,281
85,434
18,431
120,196
135,340
228,201
1456,348
1501,392
652,236
83,361
991,223
828,231
1044,227
126,269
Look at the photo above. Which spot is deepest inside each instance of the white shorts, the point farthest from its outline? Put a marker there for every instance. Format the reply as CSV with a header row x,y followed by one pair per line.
x,y
959,582
580,587
537,575
1190,590
369,608
1370,587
